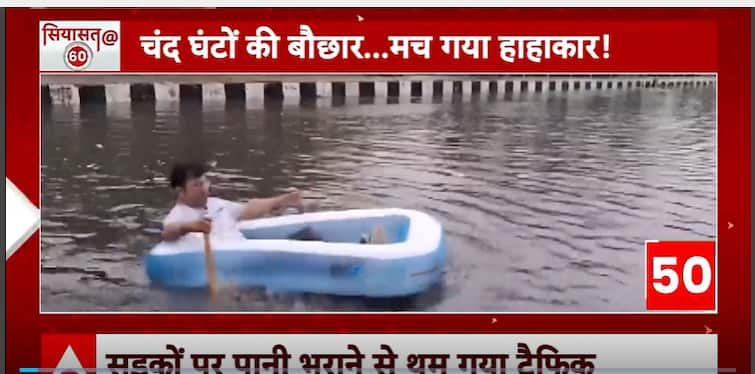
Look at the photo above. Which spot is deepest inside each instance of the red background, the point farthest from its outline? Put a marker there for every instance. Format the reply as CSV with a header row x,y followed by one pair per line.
x,y
681,299
732,62
84,347
630,47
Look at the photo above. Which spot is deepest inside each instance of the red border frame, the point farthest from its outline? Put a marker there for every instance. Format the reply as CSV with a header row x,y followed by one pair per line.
x,y
25,325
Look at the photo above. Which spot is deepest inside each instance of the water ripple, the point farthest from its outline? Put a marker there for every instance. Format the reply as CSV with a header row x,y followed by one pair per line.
x,y
546,199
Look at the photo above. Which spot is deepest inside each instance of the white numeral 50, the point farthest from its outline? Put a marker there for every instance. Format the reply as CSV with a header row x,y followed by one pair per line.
x,y
660,273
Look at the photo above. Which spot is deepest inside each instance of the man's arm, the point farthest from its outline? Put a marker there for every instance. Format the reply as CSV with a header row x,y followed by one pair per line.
x,y
175,231
256,208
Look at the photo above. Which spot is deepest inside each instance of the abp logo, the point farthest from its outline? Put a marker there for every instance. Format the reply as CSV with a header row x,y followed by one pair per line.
x,y
68,354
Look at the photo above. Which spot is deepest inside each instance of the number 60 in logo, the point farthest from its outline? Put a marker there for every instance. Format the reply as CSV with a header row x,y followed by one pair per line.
x,y
77,56
680,276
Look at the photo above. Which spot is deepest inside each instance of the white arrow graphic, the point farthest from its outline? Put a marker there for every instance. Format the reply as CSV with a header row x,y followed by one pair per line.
x,y
21,218
69,363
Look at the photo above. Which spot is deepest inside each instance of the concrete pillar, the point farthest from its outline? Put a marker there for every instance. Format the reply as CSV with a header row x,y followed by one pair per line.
x,y
466,88
405,88
380,89
322,89
501,86
66,94
484,88
291,91
448,89
118,93
345,89
427,88
166,92
213,92
255,92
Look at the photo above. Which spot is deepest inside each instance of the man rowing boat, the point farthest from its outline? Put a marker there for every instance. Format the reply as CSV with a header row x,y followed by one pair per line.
x,y
196,211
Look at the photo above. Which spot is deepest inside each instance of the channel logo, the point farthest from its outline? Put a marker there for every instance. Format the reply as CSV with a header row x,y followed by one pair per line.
x,y
72,46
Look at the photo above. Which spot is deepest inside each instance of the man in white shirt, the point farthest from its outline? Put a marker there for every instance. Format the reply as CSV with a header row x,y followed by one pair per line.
x,y
196,211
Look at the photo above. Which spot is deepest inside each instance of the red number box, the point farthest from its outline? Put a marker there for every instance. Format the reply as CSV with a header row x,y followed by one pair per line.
x,y
680,276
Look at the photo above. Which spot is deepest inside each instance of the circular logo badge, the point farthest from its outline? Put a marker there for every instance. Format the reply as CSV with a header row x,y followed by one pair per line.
x,y
77,56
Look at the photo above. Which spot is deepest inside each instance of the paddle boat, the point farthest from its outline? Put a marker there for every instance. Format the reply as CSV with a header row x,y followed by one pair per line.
x,y
410,259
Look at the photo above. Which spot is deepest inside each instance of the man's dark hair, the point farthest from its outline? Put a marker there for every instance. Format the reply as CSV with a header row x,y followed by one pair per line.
x,y
183,171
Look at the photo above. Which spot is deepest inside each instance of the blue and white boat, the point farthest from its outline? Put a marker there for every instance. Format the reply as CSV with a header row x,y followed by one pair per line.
x,y
410,260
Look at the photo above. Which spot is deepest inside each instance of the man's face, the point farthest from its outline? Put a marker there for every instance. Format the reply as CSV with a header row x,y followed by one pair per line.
x,y
196,191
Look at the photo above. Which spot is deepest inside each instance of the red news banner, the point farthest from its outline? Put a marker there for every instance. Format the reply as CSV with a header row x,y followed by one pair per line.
x,y
363,45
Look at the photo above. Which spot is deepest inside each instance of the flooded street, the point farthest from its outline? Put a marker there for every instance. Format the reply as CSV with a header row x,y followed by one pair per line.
x,y
547,199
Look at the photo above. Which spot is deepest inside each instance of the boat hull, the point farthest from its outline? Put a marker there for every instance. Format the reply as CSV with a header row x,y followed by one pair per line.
x,y
412,261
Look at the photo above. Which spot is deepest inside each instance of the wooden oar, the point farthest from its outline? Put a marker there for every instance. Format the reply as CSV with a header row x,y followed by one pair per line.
x,y
212,280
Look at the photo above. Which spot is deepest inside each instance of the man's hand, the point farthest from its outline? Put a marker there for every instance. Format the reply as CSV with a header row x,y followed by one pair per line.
x,y
177,230
292,199
203,225
256,208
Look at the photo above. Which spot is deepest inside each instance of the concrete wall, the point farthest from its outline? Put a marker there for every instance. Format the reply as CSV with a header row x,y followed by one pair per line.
x,y
114,89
